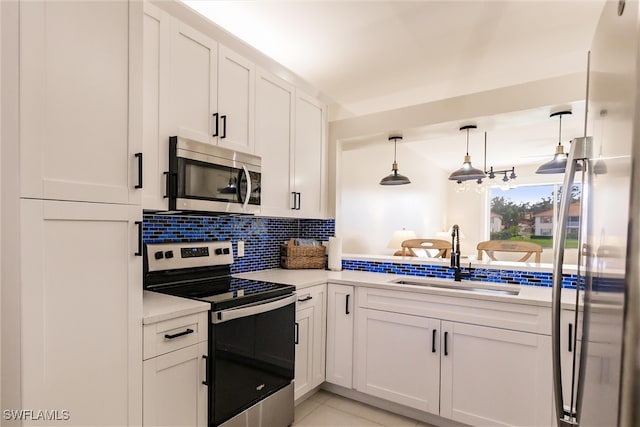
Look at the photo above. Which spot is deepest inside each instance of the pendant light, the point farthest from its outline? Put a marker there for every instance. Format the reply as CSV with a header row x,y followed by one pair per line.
x,y
559,162
394,178
467,172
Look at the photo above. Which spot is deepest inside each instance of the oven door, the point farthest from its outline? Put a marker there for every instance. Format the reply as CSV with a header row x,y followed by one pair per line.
x,y
212,179
252,355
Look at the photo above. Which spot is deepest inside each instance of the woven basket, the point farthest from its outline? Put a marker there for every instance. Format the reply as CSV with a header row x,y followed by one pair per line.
x,y
292,256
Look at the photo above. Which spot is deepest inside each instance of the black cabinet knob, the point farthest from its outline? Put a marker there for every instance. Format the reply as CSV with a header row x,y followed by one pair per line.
x,y
168,254
226,251
158,255
219,251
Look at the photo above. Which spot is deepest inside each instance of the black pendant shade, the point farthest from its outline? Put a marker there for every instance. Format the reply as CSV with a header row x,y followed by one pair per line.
x,y
559,162
394,178
467,172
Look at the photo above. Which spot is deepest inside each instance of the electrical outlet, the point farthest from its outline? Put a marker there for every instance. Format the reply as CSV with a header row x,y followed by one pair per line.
x,y
240,248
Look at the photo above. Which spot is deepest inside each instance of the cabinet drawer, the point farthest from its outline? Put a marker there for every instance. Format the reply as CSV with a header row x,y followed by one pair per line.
x,y
174,334
514,316
308,296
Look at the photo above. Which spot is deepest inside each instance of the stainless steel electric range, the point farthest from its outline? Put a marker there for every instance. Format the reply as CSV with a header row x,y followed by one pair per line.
x,y
250,366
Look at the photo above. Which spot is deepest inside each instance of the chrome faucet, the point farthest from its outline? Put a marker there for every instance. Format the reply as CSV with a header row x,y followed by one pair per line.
x,y
455,255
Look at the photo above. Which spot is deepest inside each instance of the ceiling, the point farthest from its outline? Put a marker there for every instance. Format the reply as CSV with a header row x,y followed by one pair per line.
x,y
371,56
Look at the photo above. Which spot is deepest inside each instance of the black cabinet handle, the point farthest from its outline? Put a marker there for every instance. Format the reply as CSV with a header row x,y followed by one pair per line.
x,y
179,334
167,188
293,193
307,298
346,304
139,157
433,341
215,118
206,370
297,331
299,195
139,252
224,127
570,337
446,347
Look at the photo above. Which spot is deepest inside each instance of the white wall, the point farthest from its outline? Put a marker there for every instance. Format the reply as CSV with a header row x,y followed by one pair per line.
x,y
368,213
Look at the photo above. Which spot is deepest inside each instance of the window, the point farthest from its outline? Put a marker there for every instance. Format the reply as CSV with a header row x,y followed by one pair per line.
x,y
527,213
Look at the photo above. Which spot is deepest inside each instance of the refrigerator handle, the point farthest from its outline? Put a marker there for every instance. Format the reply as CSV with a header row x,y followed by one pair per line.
x,y
580,148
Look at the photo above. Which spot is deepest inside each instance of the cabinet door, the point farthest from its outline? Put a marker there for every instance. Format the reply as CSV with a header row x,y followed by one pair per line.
x,y
77,131
304,351
398,359
311,332
494,376
310,155
236,100
193,84
174,393
274,137
340,308
82,310
155,105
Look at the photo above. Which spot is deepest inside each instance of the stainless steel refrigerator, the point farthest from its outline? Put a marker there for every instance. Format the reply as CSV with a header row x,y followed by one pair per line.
x,y
599,383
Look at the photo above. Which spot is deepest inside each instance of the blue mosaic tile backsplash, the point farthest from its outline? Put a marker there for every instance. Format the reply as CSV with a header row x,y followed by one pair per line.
x,y
262,236
481,274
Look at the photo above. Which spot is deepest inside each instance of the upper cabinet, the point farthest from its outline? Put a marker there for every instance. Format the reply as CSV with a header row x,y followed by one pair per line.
x,y
291,139
309,156
79,127
200,89
212,90
236,99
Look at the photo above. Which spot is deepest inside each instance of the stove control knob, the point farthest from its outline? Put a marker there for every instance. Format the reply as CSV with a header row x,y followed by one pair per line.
x,y
225,251
158,255
218,251
168,254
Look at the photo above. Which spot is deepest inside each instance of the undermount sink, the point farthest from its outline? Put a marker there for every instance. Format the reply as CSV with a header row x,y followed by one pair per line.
x,y
462,286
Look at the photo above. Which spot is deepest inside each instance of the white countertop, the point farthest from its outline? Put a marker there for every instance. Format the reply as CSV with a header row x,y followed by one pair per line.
x,y
158,307
530,295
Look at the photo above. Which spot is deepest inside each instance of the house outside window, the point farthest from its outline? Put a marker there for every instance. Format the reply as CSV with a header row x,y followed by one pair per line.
x,y
527,213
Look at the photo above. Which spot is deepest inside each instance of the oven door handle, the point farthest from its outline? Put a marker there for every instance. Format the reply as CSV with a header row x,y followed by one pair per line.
x,y
260,307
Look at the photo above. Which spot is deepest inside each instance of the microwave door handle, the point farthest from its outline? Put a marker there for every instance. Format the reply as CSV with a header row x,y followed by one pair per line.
x,y
248,194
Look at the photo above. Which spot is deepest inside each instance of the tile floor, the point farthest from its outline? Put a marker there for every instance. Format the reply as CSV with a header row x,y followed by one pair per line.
x,y
325,409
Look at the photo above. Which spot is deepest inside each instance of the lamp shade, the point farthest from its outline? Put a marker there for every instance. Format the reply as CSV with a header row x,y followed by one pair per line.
x,y
394,178
467,172
400,236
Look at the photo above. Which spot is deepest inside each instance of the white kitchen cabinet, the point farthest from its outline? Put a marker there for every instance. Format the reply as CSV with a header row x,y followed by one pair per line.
x,y
493,376
212,90
80,86
174,372
193,87
309,157
291,139
398,359
340,309
275,100
310,339
156,126
236,100
422,351
81,310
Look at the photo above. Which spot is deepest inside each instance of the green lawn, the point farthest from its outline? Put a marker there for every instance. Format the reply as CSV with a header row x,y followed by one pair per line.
x,y
546,243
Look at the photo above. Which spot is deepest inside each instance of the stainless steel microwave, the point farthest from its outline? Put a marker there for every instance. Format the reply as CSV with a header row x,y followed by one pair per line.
x,y
206,178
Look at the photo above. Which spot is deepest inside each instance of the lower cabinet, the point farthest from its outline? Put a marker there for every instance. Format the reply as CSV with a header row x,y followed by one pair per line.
x,y
492,376
398,358
174,372
340,313
475,374
310,335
